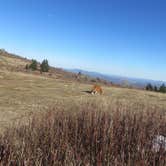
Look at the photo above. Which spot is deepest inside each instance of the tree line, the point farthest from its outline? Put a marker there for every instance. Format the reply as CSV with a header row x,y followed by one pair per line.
x,y
44,66
161,88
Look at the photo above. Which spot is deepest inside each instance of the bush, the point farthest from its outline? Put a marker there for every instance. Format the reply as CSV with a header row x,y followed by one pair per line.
x,y
44,67
93,80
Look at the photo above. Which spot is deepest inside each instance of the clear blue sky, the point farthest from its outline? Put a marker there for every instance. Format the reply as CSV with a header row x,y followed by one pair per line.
x,y
121,37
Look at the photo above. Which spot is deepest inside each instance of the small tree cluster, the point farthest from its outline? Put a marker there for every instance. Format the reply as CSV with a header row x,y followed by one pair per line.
x,y
161,89
44,67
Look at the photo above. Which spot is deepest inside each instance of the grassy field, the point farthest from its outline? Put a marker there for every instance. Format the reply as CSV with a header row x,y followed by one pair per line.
x,y
87,133
21,94
53,120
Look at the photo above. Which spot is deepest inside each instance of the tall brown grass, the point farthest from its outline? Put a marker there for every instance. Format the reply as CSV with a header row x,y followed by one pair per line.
x,y
87,135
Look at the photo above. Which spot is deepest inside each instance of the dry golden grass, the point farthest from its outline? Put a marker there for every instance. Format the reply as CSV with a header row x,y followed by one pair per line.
x,y
137,116
21,94
87,133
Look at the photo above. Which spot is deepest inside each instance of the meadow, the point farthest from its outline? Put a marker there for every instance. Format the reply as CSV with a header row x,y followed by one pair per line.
x,y
47,120
21,94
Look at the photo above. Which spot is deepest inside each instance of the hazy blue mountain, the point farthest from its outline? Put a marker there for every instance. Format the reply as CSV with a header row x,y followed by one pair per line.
x,y
136,82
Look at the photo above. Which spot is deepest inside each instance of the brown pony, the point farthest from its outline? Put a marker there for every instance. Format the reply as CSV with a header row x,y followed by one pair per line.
x,y
96,89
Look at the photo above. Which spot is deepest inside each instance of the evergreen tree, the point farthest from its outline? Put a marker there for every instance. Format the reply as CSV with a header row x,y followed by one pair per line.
x,y
155,89
149,87
44,67
33,65
162,88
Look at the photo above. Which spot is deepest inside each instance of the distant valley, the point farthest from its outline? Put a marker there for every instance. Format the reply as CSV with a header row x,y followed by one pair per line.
x,y
134,82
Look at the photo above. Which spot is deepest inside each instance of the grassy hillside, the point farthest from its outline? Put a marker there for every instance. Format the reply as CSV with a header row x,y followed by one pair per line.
x,y
21,94
24,95
15,63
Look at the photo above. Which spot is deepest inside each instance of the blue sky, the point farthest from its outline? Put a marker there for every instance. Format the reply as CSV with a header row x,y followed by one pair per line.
x,y
120,37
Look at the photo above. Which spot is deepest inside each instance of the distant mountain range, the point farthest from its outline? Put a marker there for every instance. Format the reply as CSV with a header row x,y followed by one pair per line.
x,y
135,82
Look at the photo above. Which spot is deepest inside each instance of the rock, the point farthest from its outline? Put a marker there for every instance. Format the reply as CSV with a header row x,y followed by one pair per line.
x,y
159,142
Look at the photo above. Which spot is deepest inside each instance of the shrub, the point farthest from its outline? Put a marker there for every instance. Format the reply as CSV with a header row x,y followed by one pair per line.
x,y
93,80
